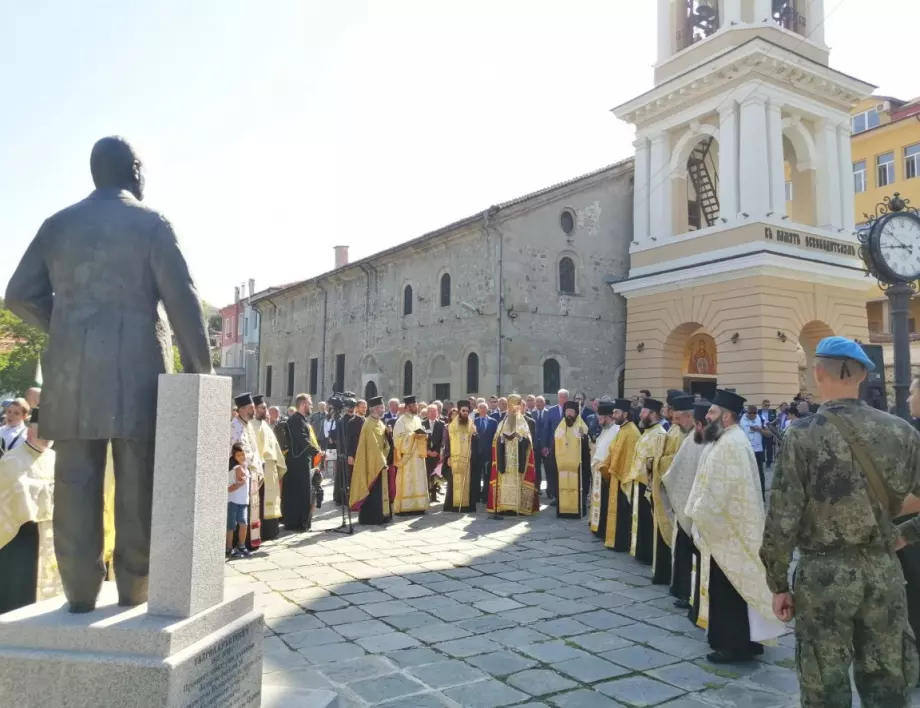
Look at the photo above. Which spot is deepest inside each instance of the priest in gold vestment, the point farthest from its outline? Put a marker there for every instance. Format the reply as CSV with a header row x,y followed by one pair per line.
x,y
677,483
512,482
680,408
461,461
242,432
573,462
274,466
615,469
370,492
28,566
645,465
599,496
410,443
727,512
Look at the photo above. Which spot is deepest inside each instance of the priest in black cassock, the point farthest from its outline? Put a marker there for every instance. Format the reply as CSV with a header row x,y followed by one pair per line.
x,y
297,488
645,466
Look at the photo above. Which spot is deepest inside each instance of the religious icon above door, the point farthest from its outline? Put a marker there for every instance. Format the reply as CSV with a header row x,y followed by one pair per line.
x,y
702,360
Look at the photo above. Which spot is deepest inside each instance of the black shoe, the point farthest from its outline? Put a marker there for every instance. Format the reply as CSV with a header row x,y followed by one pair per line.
x,y
728,657
755,649
681,604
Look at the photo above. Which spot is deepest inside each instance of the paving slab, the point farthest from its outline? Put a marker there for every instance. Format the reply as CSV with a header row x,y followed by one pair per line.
x,y
639,691
639,658
358,669
367,628
540,682
438,632
501,663
584,698
689,677
330,653
415,657
384,688
382,643
485,694
470,646
552,652
447,673
590,669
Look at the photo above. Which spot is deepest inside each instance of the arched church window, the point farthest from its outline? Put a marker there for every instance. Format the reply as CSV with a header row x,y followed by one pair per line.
x,y
567,275
445,290
407,301
407,379
472,373
551,376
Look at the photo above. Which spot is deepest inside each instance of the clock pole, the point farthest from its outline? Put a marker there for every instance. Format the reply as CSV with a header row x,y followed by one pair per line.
x,y
899,288
899,295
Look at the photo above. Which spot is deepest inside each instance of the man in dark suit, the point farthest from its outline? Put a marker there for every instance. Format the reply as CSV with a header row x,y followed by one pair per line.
x,y
538,412
485,434
436,430
93,278
551,420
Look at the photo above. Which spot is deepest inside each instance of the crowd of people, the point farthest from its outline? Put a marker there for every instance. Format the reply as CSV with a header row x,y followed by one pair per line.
x,y
677,483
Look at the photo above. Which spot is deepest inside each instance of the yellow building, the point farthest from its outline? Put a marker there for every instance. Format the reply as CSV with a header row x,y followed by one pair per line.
x,y
886,159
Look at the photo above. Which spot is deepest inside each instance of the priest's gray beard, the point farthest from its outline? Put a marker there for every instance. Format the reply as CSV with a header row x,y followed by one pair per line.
x,y
713,431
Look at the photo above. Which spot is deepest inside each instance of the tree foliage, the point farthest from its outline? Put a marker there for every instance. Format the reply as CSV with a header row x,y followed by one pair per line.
x,y
18,365
177,361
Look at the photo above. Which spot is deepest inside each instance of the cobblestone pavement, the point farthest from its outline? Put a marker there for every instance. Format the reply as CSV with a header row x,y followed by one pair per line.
x,y
448,610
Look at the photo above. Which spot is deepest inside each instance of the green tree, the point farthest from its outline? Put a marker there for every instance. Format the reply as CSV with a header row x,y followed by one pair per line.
x,y
177,361
18,365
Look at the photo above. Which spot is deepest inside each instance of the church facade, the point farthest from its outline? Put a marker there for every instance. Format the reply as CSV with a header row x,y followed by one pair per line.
x,y
514,299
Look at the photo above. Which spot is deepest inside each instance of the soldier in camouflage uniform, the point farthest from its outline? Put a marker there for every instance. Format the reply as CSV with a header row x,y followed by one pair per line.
x,y
849,604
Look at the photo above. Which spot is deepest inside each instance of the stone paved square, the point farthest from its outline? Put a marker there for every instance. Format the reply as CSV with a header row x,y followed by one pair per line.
x,y
449,610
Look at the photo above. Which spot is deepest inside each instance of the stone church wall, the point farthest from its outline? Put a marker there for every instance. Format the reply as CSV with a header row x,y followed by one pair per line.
x,y
364,303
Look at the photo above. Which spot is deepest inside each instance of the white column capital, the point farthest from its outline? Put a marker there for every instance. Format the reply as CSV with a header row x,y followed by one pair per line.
x,y
727,108
754,99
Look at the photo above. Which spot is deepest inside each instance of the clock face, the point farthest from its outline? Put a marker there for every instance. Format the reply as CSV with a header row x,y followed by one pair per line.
x,y
899,246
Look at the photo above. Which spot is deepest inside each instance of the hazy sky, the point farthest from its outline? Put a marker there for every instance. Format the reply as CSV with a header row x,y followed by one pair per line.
x,y
273,130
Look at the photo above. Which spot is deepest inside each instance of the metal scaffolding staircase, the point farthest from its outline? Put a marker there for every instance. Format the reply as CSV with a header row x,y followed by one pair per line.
x,y
705,180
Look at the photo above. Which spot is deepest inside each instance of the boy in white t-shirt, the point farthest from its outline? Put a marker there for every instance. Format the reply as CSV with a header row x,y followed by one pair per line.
x,y
238,502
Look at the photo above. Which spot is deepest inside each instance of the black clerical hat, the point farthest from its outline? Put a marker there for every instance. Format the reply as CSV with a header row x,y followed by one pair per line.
x,y
729,400
375,401
350,403
700,409
258,399
409,400
605,407
652,405
682,403
244,399
673,393
623,404
570,406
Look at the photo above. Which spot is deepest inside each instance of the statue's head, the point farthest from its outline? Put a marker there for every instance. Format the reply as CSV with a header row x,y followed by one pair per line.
x,y
115,165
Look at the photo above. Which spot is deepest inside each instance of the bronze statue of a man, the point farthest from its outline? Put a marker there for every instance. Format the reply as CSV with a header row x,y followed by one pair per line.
x,y
93,278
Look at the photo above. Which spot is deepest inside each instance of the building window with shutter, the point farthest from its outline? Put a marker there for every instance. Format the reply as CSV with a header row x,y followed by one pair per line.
x,y
268,380
290,381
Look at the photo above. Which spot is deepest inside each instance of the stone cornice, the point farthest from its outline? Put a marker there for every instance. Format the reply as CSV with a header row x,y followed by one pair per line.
x,y
756,59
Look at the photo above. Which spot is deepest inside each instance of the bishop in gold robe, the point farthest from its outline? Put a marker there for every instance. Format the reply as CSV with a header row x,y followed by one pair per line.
x,y
370,492
274,467
512,482
28,565
645,466
410,443
677,482
599,496
573,462
461,461
727,512
615,469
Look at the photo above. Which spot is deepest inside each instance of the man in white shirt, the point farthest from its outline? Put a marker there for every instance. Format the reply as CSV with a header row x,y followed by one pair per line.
x,y
754,428
13,433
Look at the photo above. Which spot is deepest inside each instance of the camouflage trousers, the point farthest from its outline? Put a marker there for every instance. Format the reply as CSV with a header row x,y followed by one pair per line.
x,y
851,608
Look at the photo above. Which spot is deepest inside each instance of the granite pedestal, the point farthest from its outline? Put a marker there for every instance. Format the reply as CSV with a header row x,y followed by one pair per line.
x,y
193,645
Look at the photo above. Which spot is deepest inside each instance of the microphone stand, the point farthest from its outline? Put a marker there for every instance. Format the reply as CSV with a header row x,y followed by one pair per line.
x,y
344,479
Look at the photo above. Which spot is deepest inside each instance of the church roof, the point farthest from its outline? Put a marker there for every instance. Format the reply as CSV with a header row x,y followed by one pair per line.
x,y
442,231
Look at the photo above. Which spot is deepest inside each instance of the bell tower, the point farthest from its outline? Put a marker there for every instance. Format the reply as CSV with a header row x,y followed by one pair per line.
x,y
743,203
